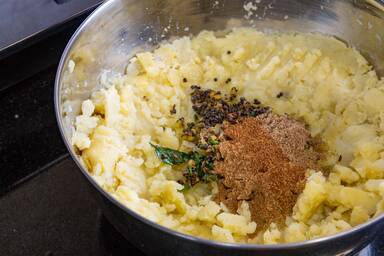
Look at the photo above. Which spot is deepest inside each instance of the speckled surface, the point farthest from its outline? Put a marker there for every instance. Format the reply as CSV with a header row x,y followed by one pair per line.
x,y
55,214
29,137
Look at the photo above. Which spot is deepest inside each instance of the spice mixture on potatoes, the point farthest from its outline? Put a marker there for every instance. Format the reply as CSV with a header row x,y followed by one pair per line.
x,y
248,137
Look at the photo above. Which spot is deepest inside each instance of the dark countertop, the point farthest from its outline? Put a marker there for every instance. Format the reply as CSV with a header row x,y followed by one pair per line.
x,y
30,138
54,214
48,214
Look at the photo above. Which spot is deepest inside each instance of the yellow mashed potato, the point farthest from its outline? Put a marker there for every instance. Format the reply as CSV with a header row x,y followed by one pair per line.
x,y
327,84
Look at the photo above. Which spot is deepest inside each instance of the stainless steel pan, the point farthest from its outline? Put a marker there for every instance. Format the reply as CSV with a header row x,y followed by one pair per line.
x,y
120,28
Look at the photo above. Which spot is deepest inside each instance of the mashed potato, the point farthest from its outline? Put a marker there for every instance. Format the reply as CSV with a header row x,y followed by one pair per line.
x,y
325,83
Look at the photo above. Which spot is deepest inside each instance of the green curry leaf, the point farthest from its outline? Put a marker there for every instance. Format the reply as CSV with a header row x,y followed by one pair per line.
x,y
171,156
199,168
213,142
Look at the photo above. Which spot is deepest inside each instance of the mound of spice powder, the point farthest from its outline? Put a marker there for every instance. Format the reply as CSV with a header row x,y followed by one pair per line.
x,y
263,161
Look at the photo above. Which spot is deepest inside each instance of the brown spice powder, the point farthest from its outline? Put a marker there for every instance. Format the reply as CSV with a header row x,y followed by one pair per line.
x,y
264,160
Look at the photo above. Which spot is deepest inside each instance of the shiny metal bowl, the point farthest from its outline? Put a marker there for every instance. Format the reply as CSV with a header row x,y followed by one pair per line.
x,y
120,28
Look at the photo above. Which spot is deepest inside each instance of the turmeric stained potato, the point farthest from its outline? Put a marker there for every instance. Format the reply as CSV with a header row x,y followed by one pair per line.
x,y
316,79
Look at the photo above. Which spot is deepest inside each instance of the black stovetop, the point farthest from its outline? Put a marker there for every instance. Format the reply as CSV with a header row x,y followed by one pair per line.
x,y
54,214
45,209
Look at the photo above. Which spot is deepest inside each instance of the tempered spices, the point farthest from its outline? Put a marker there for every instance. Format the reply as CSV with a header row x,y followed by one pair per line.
x,y
212,107
253,154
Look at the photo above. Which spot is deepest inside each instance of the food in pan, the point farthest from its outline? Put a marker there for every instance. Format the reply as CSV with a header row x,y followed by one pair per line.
x,y
244,137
